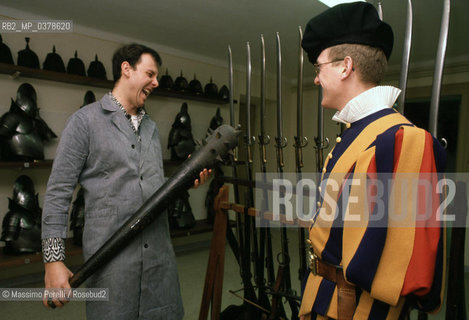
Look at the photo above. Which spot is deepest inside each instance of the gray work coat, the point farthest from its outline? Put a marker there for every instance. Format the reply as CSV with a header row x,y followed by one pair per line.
x,y
118,172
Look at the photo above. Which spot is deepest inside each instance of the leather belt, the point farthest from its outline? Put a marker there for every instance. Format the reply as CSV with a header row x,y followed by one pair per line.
x,y
346,296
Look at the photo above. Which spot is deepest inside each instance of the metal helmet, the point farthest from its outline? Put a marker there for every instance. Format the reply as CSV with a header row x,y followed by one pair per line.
x,y
27,57
195,86
89,98
26,99
224,93
211,89
217,120
183,118
76,66
96,69
5,53
24,194
54,62
166,82
180,140
181,83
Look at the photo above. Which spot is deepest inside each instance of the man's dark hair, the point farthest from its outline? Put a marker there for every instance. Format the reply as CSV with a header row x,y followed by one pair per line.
x,y
131,53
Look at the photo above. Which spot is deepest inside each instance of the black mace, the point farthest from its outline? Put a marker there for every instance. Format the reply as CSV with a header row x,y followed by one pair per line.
x,y
216,146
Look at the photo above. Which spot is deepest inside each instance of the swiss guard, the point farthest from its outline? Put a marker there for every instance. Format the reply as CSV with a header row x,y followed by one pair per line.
x,y
372,256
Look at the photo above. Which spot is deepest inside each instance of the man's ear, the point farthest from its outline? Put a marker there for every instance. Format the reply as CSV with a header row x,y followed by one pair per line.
x,y
125,69
348,67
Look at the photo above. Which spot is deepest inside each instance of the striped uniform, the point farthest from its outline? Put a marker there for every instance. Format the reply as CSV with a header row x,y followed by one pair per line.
x,y
390,264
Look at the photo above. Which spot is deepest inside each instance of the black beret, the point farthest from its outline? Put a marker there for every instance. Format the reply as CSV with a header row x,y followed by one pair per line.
x,y
356,23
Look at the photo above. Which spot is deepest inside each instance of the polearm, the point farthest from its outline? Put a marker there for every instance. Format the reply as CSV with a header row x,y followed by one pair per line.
x,y
300,143
249,224
405,58
265,244
244,257
281,143
438,74
218,145
233,158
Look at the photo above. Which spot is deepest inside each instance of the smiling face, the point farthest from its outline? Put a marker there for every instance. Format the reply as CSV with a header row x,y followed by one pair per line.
x,y
141,80
328,77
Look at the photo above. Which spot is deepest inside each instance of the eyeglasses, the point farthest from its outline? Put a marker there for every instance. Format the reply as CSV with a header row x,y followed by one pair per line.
x,y
317,66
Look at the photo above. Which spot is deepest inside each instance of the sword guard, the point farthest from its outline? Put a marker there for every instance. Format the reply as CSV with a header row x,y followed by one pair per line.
x,y
281,142
321,144
264,139
300,142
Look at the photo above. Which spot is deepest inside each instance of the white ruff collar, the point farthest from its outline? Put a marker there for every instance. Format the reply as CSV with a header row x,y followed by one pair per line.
x,y
366,103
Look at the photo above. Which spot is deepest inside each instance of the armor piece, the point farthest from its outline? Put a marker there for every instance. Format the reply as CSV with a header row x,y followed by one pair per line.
x,y
211,89
76,66
180,213
96,69
54,62
224,93
77,219
195,86
22,130
20,139
88,98
166,82
180,139
217,120
181,83
27,57
26,99
24,194
21,227
5,53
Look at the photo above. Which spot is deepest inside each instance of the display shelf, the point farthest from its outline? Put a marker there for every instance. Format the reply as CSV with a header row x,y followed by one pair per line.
x,y
26,165
19,71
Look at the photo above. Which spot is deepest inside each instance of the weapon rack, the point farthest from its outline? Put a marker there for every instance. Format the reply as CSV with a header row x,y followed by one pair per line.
x,y
19,71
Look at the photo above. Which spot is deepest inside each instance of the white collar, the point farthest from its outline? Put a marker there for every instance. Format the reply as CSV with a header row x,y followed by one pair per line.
x,y
366,103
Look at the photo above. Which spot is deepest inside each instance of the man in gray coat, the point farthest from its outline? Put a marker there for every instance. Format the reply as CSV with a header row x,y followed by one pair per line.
x,y
112,148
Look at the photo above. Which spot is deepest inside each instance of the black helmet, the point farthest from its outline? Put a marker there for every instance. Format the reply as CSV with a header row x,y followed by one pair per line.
x,y
5,53
211,89
181,83
24,194
183,118
54,62
27,57
26,99
217,120
224,93
89,98
76,66
195,86
166,82
96,69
